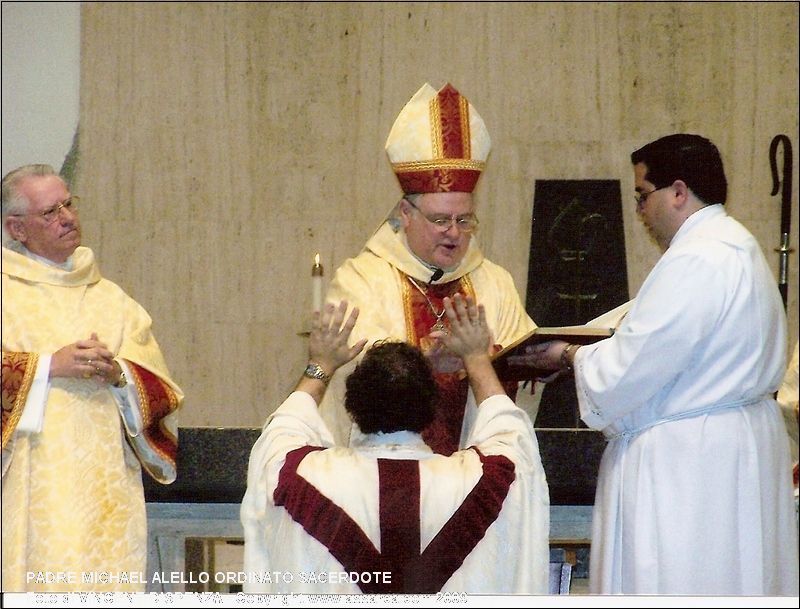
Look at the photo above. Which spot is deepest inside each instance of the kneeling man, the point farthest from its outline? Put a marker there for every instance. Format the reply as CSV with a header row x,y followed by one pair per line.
x,y
388,515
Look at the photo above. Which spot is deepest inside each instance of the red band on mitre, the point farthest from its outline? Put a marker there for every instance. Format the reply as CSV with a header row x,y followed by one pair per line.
x,y
438,180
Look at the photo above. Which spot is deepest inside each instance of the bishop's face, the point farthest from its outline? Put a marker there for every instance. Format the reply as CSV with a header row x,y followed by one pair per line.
x,y
432,227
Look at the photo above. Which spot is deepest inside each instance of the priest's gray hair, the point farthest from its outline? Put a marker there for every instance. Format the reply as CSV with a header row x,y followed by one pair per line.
x,y
13,201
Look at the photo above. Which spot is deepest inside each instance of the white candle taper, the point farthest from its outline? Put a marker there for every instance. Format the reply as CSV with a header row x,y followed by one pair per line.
x,y
316,284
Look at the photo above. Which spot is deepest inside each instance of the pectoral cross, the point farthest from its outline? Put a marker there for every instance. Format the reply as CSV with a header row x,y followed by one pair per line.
x,y
439,326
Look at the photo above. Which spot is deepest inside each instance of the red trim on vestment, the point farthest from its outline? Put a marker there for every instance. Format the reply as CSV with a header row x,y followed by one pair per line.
x,y
458,537
444,434
325,521
157,400
399,490
19,370
411,572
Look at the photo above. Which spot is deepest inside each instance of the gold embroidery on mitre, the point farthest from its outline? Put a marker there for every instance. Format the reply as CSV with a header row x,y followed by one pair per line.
x,y
437,140
445,180
465,135
439,163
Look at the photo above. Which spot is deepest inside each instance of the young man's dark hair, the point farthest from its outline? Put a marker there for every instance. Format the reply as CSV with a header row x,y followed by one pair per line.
x,y
392,389
690,158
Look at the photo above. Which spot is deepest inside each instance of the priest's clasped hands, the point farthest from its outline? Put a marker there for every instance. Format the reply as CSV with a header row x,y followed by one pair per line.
x,y
86,359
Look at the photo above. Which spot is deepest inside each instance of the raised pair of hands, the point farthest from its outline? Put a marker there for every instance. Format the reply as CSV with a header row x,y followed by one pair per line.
x,y
88,359
469,336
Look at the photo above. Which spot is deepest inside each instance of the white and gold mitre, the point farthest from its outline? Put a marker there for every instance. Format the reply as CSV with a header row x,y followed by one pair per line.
x,y
438,143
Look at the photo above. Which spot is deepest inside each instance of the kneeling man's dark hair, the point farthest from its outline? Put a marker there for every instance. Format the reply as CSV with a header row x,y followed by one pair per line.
x,y
391,389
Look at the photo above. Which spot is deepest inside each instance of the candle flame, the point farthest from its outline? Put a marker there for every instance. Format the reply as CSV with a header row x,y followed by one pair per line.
x,y
316,259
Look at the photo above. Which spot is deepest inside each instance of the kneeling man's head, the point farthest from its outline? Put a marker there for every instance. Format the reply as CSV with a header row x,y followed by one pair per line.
x,y
391,389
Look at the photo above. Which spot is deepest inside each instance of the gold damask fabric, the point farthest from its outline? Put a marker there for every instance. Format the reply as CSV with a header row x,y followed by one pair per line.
x,y
73,504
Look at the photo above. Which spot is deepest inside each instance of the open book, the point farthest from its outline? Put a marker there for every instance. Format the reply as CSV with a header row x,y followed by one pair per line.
x,y
507,370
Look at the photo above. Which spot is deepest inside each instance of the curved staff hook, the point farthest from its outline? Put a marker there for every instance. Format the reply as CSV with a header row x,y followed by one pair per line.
x,y
786,205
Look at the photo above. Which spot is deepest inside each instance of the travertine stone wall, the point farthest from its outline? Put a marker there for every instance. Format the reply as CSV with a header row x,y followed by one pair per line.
x,y
222,145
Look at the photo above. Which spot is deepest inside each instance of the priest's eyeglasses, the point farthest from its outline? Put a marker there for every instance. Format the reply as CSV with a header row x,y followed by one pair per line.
x,y
467,223
641,197
51,214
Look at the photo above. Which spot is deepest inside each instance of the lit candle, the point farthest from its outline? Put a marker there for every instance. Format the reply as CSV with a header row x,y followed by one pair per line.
x,y
316,284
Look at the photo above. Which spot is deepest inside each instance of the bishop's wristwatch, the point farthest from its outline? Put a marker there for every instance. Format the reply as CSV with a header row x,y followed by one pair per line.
x,y
315,371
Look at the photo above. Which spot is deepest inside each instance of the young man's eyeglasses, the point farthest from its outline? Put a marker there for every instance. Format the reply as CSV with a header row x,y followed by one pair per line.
x,y
641,197
51,214
467,223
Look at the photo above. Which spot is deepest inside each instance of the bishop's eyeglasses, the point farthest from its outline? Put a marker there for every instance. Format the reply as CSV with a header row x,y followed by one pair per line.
x,y
466,223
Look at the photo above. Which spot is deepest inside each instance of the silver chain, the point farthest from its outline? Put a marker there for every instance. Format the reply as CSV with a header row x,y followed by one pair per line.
x,y
430,304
